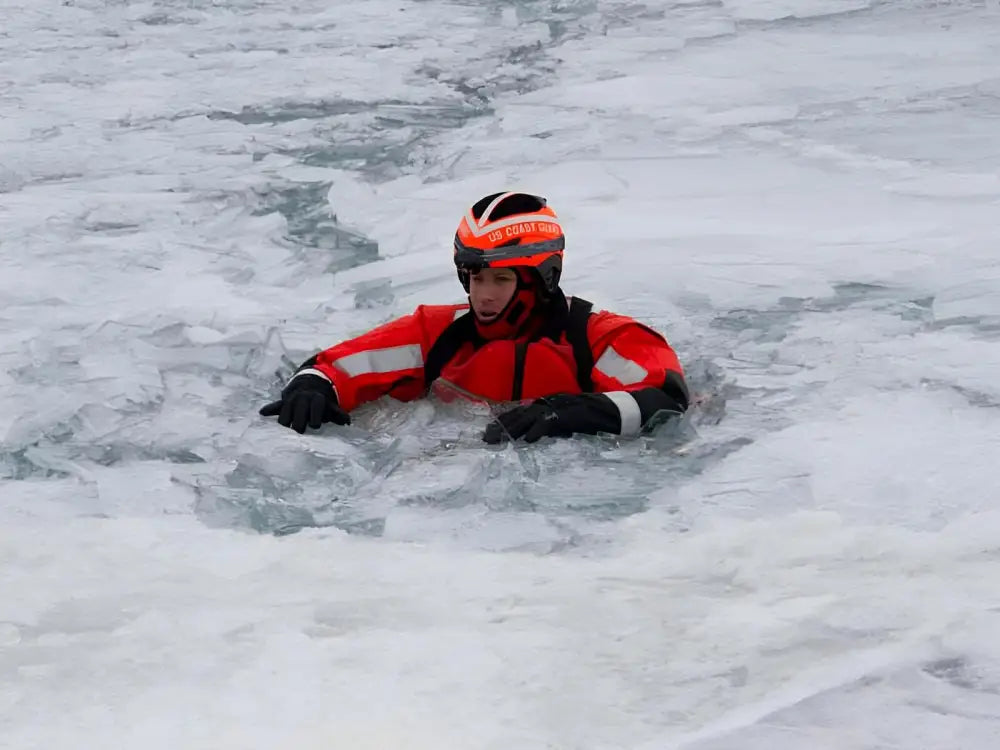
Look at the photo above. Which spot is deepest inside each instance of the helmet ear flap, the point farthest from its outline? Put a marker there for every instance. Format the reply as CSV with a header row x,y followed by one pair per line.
x,y
555,275
549,273
463,277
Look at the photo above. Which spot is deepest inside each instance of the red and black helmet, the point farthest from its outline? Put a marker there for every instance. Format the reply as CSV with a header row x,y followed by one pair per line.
x,y
507,230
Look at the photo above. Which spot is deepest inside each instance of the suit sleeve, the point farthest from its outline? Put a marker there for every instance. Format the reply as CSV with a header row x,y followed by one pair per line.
x,y
386,361
639,373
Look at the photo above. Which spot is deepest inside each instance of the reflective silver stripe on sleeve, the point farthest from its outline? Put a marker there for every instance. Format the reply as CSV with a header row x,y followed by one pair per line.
x,y
390,359
625,371
312,371
629,411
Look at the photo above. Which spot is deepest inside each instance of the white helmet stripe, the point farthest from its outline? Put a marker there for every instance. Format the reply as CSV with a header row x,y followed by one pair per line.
x,y
478,231
489,209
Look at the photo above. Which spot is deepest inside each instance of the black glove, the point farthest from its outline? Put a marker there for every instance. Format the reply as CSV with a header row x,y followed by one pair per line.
x,y
555,416
306,400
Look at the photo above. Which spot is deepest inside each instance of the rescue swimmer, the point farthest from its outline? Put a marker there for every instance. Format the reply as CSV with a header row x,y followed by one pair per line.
x,y
518,339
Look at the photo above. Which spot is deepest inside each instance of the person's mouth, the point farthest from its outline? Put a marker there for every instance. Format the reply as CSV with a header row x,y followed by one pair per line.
x,y
487,315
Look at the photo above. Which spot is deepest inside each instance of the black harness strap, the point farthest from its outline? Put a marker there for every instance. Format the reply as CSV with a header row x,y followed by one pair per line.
x,y
520,353
463,330
576,334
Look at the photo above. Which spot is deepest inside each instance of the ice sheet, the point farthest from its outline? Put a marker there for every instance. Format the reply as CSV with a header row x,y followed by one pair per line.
x,y
194,196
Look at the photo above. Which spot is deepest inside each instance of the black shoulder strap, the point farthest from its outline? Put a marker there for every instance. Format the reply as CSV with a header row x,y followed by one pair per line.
x,y
576,334
520,355
462,330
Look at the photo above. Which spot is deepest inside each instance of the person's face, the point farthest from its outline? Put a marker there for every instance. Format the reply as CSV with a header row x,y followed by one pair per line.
x,y
490,290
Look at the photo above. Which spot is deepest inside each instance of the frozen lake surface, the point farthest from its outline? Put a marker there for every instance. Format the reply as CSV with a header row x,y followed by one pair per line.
x,y
195,195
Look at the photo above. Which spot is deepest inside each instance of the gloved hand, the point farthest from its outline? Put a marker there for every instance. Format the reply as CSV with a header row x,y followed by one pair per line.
x,y
306,400
555,416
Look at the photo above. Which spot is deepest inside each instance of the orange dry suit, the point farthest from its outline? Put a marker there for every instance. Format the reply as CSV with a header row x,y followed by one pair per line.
x,y
577,351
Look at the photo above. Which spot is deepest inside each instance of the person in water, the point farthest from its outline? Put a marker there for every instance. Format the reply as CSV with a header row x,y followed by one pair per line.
x,y
518,339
